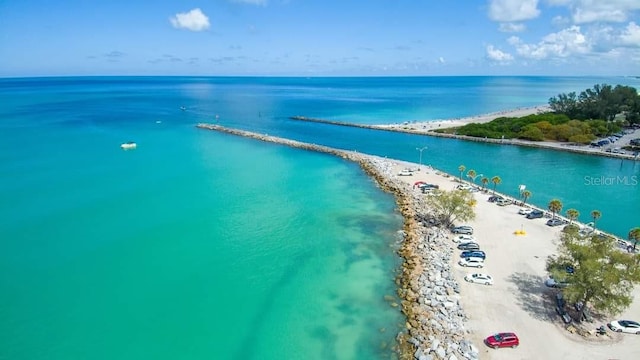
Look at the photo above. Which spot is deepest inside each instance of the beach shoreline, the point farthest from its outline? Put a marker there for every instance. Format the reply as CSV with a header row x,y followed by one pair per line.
x,y
447,317
427,128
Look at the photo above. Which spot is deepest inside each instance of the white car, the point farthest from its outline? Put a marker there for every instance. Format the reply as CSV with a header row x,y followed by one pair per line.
x,y
471,262
464,239
525,211
463,187
479,279
628,326
405,172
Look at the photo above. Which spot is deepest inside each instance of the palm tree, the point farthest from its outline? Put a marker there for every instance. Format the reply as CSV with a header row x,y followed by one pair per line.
x,y
471,174
634,235
525,195
573,215
461,168
555,206
484,181
496,181
595,215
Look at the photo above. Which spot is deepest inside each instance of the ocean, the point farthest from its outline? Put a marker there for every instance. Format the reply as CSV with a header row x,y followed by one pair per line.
x,y
203,245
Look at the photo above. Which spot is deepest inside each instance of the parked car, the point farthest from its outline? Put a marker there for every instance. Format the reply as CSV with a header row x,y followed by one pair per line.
x,y
479,279
560,304
468,230
627,326
555,222
405,172
469,246
494,198
473,253
471,262
500,340
525,211
464,238
504,202
535,214
552,283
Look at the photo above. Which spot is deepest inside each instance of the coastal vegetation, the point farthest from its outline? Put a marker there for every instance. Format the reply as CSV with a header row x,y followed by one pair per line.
x,y
634,235
525,195
496,180
555,206
595,215
602,276
451,206
582,118
573,215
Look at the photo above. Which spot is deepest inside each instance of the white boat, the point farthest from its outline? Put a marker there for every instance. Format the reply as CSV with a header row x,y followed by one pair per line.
x,y
128,145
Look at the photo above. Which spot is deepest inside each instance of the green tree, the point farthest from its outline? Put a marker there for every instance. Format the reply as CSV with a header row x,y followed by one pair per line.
x,y
603,277
595,215
451,206
525,195
573,215
471,174
461,168
634,235
485,181
496,181
555,206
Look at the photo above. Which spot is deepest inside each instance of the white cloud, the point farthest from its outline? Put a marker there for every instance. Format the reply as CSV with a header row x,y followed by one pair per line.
x,y
588,11
252,2
194,20
511,27
631,35
561,44
441,60
498,55
513,10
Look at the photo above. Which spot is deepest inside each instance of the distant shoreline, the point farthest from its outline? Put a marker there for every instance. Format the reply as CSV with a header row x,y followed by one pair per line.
x,y
427,128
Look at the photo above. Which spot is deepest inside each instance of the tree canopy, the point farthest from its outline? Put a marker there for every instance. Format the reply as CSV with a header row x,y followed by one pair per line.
x,y
451,206
600,102
603,276
573,118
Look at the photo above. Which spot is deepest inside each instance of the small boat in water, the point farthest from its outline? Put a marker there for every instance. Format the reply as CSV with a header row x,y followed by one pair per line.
x,y
129,145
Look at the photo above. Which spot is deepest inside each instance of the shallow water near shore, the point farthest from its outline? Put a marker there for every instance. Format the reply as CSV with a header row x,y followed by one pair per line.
x,y
194,245
201,245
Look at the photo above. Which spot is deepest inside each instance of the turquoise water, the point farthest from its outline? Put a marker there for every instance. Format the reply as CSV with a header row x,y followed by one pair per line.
x,y
195,245
202,245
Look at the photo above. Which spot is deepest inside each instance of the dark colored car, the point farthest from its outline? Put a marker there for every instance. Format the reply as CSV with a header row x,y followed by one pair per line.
x,y
469,246
560,304
494,198
535,214
473,253
462,230
500,340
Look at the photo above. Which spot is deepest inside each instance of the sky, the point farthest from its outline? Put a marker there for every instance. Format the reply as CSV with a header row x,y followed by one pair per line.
x,y
319,37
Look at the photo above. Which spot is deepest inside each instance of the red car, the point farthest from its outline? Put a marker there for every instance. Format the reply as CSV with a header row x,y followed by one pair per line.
x,y
504,339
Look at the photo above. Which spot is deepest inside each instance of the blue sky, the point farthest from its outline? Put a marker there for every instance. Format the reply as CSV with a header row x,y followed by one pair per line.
x,y
319,37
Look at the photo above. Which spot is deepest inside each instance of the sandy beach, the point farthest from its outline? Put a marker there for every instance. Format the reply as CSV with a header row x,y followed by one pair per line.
x,y
428,127
448,318
425,126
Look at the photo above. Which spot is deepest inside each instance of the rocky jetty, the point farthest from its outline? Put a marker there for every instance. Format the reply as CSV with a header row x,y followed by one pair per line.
x,y
428,291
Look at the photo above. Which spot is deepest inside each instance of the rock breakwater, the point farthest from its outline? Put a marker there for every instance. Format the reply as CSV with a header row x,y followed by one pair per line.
x,y
429,294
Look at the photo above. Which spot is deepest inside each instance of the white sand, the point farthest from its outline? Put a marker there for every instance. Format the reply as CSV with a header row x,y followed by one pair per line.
x,y
515,301
424,126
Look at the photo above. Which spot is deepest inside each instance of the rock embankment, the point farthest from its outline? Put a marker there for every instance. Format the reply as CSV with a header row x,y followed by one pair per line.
x,y
428,291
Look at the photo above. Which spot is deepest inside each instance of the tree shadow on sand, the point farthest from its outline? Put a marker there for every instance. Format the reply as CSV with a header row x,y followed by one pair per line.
x,y
530,296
